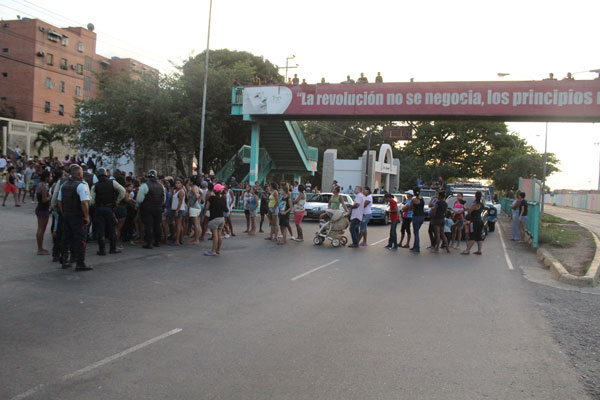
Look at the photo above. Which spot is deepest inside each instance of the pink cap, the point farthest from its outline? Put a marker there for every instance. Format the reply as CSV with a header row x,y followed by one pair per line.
x,y
218,187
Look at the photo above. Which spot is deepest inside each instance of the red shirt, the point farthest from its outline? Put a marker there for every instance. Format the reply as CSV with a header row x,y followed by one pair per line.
x,y
394,216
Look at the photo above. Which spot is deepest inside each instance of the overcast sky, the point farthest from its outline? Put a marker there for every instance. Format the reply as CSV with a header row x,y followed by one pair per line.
x,y
435,40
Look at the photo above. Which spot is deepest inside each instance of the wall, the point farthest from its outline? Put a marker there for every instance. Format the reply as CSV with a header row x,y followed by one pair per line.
x,y
348,172
585,201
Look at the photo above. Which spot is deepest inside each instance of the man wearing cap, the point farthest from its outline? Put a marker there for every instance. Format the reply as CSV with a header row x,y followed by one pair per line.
x,y
150,200
73,204
106,194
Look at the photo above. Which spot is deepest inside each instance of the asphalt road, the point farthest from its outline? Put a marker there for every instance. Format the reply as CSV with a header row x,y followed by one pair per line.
x,y
586,219
251,324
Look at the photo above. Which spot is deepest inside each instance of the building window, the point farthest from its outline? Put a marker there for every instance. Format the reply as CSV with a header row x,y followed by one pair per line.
x,y
61,109
49,59
62,86
47,107
3,99
63,63
80,47
5,74
78,91
89,63
48,83
87,84
5,50
65,41
79,69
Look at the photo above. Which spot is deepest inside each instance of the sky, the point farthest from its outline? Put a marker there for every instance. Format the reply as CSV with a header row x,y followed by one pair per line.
x,y
435,40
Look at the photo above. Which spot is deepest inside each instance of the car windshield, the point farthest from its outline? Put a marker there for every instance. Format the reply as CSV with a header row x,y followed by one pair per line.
x,y
378,200
469,199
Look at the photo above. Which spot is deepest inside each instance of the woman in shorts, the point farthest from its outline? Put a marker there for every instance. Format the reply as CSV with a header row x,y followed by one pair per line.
x,y
285,207
42,211
11,187
179,208
474,217
274,212
299,212
195,201
217,206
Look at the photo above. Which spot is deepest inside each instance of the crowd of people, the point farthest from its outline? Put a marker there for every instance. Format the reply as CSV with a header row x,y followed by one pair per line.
x,y
85,202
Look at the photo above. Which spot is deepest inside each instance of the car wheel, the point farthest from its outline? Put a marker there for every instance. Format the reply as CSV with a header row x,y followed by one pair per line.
x,y
386,220
491,226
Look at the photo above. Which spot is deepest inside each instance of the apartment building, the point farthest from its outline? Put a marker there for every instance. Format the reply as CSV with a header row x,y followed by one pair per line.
x,y
44,69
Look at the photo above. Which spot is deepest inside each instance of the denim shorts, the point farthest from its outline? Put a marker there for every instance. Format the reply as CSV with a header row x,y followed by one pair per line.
x,y
181,214
365,221
523,218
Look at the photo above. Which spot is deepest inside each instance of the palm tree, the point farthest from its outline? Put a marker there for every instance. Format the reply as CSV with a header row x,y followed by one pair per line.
x,y
45,138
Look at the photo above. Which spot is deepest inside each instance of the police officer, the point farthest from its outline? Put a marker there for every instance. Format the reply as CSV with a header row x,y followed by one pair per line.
x,y
106,194
73,203
150,200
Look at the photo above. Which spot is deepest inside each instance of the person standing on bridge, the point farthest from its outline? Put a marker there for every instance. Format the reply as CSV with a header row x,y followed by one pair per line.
x,y
362,79
379,78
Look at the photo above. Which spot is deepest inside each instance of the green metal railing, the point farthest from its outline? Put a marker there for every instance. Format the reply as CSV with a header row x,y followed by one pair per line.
x,y
311,153
533,218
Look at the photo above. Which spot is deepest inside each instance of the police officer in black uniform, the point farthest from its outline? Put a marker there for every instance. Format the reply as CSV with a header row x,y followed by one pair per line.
x,y
73,203
150,200
106,194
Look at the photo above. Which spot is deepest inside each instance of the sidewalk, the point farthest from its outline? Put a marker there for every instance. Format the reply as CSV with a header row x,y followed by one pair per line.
x,y
587,219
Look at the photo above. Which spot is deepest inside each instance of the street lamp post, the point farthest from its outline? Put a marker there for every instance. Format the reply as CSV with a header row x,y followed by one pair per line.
x,y
368,158
201,152
544,179
287,59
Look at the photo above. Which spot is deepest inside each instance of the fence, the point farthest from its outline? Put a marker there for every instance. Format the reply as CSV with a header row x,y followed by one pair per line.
x,y
583,201
532,227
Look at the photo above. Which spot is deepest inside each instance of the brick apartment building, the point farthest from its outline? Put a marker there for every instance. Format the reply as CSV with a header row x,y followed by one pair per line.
x,y
45,69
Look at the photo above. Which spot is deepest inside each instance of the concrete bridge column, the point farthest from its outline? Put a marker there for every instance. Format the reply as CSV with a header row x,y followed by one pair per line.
x,y
254,153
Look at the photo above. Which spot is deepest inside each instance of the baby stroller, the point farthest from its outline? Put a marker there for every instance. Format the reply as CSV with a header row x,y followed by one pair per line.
x,y
333,230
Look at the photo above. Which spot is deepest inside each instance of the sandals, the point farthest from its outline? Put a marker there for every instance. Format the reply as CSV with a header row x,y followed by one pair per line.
x,y
209,253
477,252
466,253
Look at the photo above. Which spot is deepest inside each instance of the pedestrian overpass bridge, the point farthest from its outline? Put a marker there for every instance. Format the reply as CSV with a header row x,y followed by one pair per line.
x,y
278,144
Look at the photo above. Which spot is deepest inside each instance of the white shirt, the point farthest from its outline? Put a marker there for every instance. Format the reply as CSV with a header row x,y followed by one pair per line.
x,y
357,213
367,209
3,162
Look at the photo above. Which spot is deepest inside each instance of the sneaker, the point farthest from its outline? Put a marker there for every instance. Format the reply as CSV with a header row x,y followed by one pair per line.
x,y
84,267
227,236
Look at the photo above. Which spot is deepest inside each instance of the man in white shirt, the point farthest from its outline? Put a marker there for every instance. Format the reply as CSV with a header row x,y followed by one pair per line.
x,y
356,216
368,201
3,163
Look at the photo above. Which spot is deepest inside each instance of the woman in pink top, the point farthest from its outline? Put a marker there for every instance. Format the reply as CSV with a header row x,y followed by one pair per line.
x,y
458,211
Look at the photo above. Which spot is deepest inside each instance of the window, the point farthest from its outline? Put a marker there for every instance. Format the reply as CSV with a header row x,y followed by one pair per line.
x,y
79,69
61,109
63,63
49,83
78,91
65,41
88,63
47,107
5,50
5,74
62,86
80,47
87,84
49,59
3,99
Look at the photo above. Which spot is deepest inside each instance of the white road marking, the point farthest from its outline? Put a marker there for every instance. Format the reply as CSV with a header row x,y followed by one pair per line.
x,y
100,363
314,270
379,241
510,264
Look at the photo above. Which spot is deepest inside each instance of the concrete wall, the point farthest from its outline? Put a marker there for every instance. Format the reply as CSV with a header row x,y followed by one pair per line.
x,y
348,173
584,201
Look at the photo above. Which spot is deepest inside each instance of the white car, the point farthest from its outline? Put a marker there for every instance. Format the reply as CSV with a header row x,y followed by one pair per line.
x,y
316,203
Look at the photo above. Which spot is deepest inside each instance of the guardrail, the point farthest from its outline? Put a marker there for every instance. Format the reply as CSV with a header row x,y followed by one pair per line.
x,y
532,227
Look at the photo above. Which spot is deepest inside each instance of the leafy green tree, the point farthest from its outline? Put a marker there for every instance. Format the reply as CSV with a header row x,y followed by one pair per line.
x,y
528,165
54,134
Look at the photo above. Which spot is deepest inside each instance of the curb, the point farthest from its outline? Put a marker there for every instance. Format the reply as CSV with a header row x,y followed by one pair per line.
x,y
560,273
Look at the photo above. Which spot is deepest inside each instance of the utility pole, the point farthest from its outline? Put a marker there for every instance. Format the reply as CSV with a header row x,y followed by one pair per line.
x,y
287,59
201,153
368,158
544,180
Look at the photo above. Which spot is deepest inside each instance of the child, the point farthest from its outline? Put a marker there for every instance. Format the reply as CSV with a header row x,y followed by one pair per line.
x,y
448,224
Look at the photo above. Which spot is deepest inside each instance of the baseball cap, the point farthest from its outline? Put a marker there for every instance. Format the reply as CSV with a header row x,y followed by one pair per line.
x,y
218,187
410,192
204,184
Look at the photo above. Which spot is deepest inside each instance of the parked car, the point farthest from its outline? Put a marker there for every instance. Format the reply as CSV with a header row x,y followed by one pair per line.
x,y
379,210
317,203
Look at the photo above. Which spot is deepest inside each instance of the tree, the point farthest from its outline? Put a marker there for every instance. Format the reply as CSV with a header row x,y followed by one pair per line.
x,y
54,134
529,165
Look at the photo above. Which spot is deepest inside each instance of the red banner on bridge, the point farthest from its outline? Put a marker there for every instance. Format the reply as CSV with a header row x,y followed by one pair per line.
x,y
547,100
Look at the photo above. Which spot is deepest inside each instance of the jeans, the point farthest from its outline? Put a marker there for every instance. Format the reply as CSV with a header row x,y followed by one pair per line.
x,y
151,217
393,240
516,232
355,230
417,222
74,236
105,224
